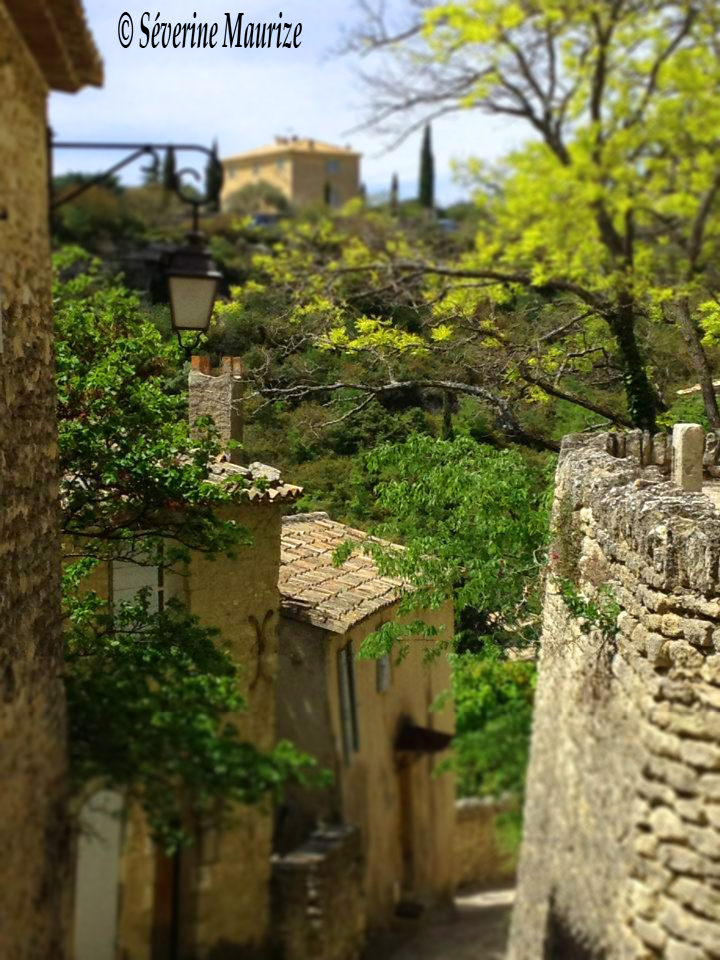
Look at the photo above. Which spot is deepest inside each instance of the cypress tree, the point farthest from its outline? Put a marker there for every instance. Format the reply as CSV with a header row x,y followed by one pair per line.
x,y
394,194
213,179
169,177
427,172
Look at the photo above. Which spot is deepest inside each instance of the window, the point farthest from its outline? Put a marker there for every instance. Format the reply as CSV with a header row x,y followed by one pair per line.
x,y
256,170
348,704
129,578
280,165
384,673
332,166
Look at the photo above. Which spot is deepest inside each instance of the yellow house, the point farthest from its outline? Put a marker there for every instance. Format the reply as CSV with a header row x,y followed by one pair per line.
x,y
213,899
371,723
305,171
44,45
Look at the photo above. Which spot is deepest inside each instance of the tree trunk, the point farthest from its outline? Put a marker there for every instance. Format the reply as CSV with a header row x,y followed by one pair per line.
x,y
447,431
641,398
698,359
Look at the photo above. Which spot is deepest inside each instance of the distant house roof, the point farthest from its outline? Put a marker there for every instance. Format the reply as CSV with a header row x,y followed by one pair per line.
x,y
314,590
59,40
287,145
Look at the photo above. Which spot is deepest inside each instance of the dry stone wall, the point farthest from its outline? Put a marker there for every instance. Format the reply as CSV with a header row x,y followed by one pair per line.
x,y
33,836
318,901
621,855
481,859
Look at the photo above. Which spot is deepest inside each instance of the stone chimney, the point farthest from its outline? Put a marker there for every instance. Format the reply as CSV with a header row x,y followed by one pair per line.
x,y
218,394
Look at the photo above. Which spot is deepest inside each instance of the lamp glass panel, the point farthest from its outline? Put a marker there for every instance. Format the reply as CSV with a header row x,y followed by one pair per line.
x,y
191,300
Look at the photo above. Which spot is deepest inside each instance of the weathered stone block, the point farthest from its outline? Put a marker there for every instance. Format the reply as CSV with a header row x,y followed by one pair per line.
x,y
651,934
679,950
667,825
688,447
700,754
700,897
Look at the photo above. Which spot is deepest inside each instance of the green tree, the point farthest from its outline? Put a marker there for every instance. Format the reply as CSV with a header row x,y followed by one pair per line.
x,y
426,187
613,205
493,719
214,178
472,521
169,174
358,298
149,693
394,195
256,198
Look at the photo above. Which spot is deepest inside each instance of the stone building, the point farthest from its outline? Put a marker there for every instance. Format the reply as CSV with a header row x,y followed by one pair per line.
x,y
44,45
305,171
130,900
370,722
621,853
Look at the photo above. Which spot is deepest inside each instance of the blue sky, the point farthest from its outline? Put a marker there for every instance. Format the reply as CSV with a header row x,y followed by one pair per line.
x,y
244,98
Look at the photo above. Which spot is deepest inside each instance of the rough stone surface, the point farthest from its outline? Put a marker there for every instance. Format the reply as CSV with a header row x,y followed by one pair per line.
x,y
688,447
218,396
318,900
480,860
621,855
33,833
225,896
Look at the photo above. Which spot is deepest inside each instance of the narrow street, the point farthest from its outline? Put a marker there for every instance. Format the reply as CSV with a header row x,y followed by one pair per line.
x,y
478,931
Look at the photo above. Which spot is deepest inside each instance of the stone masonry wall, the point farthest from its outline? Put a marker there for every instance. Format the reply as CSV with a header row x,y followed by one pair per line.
x,y
33,838
481,861
318,902
225,910
621,854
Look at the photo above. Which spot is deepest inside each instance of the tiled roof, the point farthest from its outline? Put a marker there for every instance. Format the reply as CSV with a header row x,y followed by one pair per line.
x,y
259,482
313,589
286,146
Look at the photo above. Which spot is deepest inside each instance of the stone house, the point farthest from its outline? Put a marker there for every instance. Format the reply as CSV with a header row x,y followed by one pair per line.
x,y
44,45
131,901
305,171
385,833
370,722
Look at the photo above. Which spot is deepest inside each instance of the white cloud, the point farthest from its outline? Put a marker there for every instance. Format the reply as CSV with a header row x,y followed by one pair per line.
x,y
246,97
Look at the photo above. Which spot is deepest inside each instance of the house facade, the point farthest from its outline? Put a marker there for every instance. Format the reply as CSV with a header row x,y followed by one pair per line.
x,y
213,898
372,723
44,45
305,171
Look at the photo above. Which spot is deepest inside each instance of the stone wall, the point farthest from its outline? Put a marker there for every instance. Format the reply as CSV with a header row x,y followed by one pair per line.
x,y
318,902
621,854
218,394
33,837
225,894
481,861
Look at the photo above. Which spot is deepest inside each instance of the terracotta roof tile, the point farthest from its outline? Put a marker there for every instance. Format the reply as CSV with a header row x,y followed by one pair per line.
x,y
288,146
314,590
257,483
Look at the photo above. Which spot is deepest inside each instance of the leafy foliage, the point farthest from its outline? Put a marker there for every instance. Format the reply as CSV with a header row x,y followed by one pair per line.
x,y
472,521
493,715
150,693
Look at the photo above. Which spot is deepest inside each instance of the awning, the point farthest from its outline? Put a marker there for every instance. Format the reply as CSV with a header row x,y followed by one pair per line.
x,y
414,739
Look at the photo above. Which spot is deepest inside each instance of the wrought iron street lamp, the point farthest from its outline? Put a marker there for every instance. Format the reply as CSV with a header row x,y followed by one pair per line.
x,y
193,279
